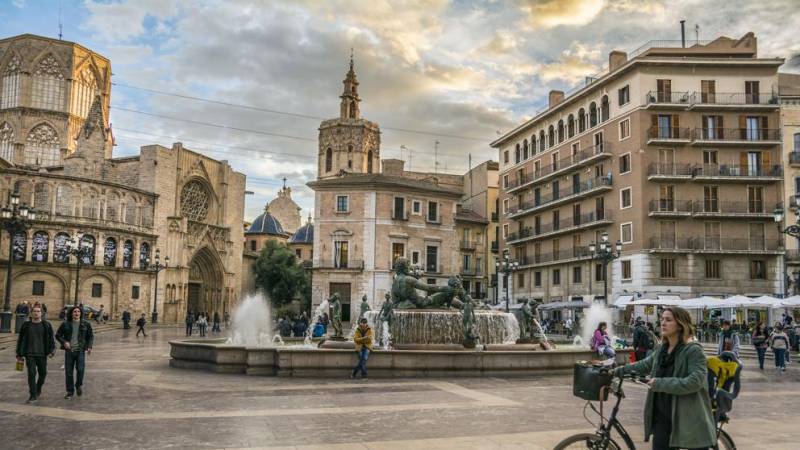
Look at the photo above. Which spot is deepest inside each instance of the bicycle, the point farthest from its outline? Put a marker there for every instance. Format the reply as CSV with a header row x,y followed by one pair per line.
x,y
601,439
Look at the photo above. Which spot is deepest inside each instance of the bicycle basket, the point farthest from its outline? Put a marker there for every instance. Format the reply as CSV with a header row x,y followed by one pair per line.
x,y
587,381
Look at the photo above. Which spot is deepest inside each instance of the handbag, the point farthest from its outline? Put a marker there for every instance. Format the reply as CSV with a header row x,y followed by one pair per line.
x,y
588,381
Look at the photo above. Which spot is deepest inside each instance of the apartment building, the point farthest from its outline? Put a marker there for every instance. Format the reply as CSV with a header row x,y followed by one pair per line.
x,y
789,89
673,150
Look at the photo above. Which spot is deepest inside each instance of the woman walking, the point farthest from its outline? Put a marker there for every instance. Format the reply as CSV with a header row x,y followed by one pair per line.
x,y
779,342
202,323
601,343
678,410
760,343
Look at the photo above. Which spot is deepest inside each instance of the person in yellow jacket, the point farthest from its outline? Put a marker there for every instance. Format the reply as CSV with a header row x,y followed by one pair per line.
x,y
363,340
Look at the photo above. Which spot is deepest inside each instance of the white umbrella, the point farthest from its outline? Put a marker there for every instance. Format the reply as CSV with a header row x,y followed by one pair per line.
x,y
791,301
765,301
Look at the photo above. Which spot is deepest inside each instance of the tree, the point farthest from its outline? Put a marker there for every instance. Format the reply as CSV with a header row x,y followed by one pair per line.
x,y
279,275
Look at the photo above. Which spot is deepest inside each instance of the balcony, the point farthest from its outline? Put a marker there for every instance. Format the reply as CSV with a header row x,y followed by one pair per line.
x,y
468,245
667,100
583,157
733,101
495,247
344,265
594,185
669,135
563,256
670,244
494,216
669,171
583,221
736,245
736,136
794,158
469,271
737,172
670,208
732,209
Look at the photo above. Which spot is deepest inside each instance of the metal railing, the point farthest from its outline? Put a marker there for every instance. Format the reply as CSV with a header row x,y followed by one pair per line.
x,y
400,215
733,98
670,97
794,157
561,225
565,193
348,264
669,169
467,245
669,205
562,255
562,164
670,243
669,133
495,246
713,206
737,170
736,244
737,134
671,43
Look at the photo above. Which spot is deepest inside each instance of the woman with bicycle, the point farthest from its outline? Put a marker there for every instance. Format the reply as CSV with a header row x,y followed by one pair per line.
x,y
677,410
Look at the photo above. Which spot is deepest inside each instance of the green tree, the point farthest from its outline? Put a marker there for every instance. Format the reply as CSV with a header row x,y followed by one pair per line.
x,y
280,276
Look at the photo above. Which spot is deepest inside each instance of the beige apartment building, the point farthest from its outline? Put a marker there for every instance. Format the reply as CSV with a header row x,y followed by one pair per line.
x,y
674,151
789,86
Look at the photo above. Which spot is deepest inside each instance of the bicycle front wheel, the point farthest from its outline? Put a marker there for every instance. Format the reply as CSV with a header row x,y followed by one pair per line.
x,y
724,441
586,441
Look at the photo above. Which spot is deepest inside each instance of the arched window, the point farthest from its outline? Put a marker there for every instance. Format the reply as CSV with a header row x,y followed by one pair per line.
x,y
19,243
48,85
88,242
23,189
592,115
195,201
12,83
516,154
349,156
39,246
525,149
64,200
561,131
581,120
127,254
369,161
60,254
41,197
352,110
144,256
571,125
90,204
6,141
541,141
533,144
85,90
604,109
130,211
328,159
797,142
42,146
112,207
110,252
551,136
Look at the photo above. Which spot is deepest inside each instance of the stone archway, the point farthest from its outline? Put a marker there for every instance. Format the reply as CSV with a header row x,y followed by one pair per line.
x,y
205,283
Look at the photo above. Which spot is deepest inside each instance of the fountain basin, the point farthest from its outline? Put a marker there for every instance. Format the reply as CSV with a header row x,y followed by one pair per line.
x,y
444,326
313,362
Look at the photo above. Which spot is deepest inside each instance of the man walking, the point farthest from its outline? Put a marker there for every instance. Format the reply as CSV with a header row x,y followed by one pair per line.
x,y
140,323
641,340
215,324
35,344
76,338
189,323
363,340
728,339
99,317
126,320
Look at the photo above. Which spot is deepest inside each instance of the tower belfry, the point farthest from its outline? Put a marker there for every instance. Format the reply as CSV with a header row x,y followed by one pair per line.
x,y
350,100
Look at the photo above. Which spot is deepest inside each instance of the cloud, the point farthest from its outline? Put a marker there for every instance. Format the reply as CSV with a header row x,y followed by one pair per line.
x,y
19,3
575,64
123,21
552,13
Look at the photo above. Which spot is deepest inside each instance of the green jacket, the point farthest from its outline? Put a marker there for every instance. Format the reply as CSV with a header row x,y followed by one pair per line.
x,y
692,423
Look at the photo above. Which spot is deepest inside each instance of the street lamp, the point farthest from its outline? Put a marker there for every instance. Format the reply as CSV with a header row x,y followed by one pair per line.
x,y
82,249
605,254
14,218
155,268
792,230
506,267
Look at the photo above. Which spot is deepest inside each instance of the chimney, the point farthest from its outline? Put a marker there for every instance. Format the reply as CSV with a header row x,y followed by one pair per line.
x,y
683,33
393,167
555,98
616,59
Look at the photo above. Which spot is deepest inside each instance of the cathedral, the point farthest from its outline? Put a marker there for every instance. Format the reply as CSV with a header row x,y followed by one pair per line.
x,y
166,204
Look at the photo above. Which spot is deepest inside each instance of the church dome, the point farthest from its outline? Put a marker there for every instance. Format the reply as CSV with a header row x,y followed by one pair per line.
x,y
303,235
266,224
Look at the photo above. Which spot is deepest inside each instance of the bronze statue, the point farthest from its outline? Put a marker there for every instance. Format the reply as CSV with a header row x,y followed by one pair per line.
x,y
468,322
364,307
335,305
405,286
387,313
525,324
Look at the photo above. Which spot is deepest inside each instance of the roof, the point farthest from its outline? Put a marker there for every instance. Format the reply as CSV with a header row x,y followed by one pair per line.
x,y
266,224
468,215
371,181
303,235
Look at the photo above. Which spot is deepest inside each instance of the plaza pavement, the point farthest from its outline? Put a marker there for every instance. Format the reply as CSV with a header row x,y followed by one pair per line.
x,y
133,399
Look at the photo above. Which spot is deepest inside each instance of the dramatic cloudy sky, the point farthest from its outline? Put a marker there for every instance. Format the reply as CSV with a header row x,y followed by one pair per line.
x,y
455,72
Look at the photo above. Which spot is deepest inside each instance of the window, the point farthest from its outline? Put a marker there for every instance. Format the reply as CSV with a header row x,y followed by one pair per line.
x,y
626,269
713,127
537,278
711,198
624,129
135,292
432,259
399,212
577,275
516,154
415,258
796,142
599,141
42,146
599,274
416,207
11,83
556,220
505,230
751,91
38,288
520,280
7,142
625,163
97,290
127,254
505,157
328,159
626,232
708,90
505,206
758,270
664,91
398,251
431,281
48,85
624,95
40,246
342,203
581,120
755,199
712,268
341,253
505,180
625,200
298,253
605,110
525,149
709,157
253,245
433,212
592,115
668,268
556,277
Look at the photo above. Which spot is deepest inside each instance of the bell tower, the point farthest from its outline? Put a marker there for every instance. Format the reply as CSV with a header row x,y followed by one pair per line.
x,y
349,143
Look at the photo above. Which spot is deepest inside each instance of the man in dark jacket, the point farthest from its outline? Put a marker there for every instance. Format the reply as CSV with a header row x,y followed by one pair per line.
x,y
641,340
76,338
189,323
140,323
126,320
34,344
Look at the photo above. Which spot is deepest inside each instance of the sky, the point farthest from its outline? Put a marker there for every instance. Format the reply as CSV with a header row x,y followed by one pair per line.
x,y
454,72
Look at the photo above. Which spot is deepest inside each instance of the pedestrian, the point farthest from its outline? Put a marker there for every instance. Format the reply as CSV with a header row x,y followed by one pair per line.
x,y
201,324
140,323
641,340
76,338
779,342
363,340
568,327
126,320
323,319
759,339
651,333
728,339
98,317
227,318
601,343
677,411
189,323
44,310
35,343
215,328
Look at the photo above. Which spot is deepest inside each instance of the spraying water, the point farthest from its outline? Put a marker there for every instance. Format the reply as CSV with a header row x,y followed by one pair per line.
x,y
593,316
252,322
321,309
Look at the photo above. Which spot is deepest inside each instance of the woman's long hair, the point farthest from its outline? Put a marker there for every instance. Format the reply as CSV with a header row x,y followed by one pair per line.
x,y
69,315
602,325
684,320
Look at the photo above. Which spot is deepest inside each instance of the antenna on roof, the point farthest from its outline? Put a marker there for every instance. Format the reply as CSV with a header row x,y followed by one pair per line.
x,y
435,156
60,26
697,33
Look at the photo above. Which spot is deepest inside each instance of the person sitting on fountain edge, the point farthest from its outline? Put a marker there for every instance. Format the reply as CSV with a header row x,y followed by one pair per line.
x,y
363,341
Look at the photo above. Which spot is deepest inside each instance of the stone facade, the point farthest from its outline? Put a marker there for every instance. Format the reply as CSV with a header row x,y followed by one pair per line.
x,y
285,210
790,126
184,205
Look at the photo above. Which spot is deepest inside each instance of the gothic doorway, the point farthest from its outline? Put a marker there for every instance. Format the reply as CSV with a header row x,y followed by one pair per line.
x,y
205,283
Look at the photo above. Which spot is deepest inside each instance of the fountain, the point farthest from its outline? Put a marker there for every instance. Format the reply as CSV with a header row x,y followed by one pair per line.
x,y
252,323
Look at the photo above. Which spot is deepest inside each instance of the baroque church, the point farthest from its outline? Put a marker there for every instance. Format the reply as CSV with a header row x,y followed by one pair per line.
x,y
56,154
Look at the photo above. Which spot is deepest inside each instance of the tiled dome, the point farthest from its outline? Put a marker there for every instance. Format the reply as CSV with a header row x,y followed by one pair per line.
x,y
303,235
266,224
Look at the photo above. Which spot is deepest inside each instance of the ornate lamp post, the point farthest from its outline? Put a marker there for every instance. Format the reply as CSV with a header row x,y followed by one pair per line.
x,y
792,230
506,267
82,250
155,268
605,254
15,218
